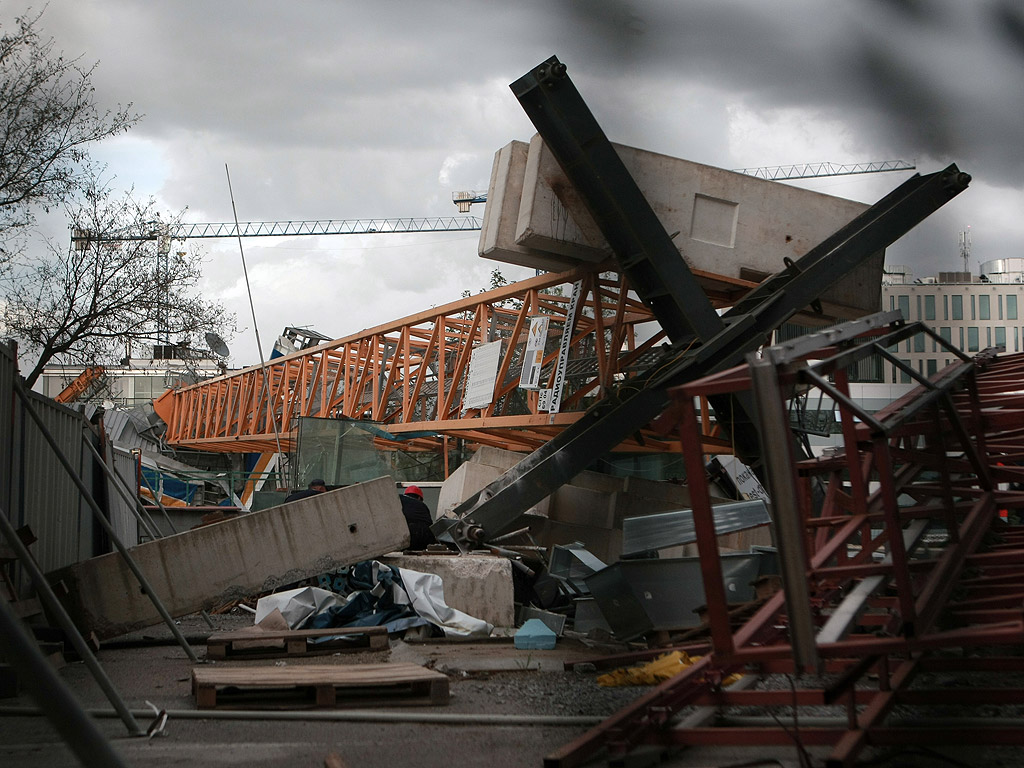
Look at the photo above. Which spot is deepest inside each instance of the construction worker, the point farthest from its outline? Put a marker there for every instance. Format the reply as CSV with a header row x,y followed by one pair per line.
x,y
315,486
418,518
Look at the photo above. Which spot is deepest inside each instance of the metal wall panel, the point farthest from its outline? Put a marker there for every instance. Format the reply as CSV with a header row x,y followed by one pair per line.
x,y
50,502
35,489
8,370
122,515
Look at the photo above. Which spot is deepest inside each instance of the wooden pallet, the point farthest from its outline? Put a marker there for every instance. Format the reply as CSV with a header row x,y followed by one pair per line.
x,y
293,642
317,685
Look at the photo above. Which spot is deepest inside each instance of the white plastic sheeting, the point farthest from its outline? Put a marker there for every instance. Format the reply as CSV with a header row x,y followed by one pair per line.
x,y
422,592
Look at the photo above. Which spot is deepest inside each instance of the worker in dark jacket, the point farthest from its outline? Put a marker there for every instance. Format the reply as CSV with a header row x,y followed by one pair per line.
x,y
418,518
315,487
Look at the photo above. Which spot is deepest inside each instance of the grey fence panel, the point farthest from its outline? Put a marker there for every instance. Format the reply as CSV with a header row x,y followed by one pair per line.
x,y
122,514
8,370
35,488
51,503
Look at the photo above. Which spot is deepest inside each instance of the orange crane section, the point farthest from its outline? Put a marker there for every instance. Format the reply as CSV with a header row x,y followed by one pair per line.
x,y
409,377
82,382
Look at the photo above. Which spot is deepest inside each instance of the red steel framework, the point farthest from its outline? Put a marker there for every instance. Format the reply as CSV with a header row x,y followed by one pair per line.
x,y
895,564
409,376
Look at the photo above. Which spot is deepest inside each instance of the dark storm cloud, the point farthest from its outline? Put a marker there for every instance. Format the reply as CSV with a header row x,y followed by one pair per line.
x,y
332,109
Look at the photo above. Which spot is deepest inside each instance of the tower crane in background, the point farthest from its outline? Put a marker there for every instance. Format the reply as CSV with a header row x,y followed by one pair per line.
x,y
82,238
464,200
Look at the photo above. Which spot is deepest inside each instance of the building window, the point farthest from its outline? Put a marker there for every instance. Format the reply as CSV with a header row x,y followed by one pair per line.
x,y
988,337
919,343
961,347
904,373
984,307
974,314
999,306
918,297
1011,307
972,338
933,366
958,307
947,334
945,307
903,303
1000,336
1016,340
929,307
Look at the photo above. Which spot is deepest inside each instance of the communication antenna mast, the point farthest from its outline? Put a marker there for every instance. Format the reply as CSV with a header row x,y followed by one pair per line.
x,y
965,248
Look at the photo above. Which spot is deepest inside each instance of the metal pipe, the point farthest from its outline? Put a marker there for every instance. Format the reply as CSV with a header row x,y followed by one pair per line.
x,y
156,498
53,696
345,715
58,612
19,388
136,506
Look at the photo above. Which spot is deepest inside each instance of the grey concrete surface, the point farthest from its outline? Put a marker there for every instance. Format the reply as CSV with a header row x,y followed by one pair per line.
x,y
486,678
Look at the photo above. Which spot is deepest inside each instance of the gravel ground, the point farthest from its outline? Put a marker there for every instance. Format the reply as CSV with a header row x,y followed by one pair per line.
x,y
485,678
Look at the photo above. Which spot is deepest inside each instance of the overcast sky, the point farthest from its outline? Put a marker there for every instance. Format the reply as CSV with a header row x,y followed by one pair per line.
x,y
339,109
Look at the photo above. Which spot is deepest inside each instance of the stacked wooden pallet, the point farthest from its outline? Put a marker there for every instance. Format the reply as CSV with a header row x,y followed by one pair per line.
x,y
294,642
317,685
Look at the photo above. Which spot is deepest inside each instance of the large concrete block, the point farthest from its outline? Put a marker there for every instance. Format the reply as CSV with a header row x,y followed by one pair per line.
x,y
496,457
468,479
498,233
480,585
731,225
253,553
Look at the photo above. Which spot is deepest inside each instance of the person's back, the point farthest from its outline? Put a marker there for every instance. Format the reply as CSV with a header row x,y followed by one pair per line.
x,y
418,518
315,487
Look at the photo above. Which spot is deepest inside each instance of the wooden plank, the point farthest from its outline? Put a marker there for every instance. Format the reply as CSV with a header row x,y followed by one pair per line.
x,y
319,685
274,644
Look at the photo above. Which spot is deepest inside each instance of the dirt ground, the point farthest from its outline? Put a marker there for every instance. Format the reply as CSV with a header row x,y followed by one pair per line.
x,y
549,706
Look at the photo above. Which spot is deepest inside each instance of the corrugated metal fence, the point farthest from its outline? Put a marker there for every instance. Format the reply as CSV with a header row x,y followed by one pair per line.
x,y
35,488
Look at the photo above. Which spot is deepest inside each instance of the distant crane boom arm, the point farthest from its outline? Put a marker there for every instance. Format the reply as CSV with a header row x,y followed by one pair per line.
x,y
290,228
814,170
463,200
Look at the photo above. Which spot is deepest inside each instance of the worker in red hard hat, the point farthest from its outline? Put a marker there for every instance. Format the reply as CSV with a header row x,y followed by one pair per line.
x,y
417,517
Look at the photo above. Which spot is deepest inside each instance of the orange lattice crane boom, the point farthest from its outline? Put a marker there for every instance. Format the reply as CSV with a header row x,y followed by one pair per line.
x,y
81,384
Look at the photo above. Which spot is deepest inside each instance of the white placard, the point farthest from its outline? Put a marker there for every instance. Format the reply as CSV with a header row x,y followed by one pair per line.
x,y
483,371
533,356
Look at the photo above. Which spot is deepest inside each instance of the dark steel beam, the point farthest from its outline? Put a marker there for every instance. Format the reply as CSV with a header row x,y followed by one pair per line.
x,y
656,270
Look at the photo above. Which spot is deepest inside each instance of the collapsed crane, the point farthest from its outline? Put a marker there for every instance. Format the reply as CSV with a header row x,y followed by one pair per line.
x,y
702,342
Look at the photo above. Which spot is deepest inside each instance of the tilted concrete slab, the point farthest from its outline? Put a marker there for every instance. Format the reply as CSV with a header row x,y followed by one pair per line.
x,y
253,553
480,585
727,224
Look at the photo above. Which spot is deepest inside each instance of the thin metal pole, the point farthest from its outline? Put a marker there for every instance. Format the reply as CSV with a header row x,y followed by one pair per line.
x,y
64,712
19,388
156,499
137,509
57,611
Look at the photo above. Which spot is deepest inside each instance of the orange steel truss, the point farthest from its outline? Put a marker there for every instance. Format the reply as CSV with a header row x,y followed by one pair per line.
x,y
409,377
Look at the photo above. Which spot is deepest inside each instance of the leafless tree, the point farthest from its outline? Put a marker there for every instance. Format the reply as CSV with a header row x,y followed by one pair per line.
x,y
48,120
129,287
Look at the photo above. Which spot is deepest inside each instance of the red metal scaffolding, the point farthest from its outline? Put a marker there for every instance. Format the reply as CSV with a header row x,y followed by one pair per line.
x,y
895,560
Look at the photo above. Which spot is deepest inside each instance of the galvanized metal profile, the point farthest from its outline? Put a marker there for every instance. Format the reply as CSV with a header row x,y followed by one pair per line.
x,y
670,529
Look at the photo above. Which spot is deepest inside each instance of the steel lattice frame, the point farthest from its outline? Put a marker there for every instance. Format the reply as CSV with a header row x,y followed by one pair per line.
x,y
862,596
410,375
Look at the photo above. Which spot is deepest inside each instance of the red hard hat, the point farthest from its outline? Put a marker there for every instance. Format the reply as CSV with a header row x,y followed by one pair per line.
x,y
414,490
